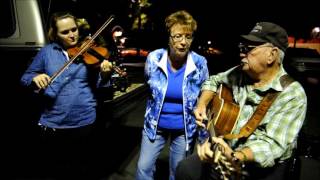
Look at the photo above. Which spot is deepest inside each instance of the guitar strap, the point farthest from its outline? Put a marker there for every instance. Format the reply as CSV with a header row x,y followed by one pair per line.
x,y
261,110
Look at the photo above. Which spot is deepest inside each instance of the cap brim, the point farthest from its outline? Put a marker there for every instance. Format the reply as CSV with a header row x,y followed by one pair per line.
x,y
253,38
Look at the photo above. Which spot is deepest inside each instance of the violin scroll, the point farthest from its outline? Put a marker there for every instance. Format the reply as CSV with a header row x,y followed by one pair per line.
x,y
117,69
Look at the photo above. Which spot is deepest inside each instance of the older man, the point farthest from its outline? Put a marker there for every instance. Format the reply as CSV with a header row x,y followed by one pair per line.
x,y
265,147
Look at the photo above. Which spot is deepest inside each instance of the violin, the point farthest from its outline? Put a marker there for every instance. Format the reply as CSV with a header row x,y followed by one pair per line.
x,y
94,55
84,51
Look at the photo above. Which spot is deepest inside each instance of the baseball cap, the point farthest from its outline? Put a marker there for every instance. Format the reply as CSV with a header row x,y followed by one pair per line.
x,y
267,32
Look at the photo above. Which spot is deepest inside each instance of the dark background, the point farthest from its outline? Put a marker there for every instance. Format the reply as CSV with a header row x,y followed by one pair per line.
x,y
221,22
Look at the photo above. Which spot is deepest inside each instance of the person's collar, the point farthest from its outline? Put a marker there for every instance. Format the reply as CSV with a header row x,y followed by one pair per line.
x,y
275,84
190,65
57,46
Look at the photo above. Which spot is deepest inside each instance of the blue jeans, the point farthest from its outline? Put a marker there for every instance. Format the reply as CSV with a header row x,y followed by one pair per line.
x,y
150,151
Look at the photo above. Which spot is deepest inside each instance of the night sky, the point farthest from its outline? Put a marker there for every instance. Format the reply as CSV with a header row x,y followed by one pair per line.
x,y
219,21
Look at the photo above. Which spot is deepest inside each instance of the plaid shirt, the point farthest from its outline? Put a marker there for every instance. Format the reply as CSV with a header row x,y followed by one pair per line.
x,y
276,136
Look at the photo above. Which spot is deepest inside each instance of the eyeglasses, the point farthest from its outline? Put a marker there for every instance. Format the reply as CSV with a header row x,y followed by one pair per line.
x,y
245,48
179,37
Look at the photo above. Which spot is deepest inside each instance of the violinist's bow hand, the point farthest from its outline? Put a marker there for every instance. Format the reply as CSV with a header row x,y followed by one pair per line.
x,y
41,81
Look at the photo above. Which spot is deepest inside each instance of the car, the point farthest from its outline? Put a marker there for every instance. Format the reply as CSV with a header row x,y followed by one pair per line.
x,y
303,64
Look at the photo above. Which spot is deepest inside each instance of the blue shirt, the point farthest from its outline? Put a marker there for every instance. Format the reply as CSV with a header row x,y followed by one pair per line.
x,y
69,100
171,116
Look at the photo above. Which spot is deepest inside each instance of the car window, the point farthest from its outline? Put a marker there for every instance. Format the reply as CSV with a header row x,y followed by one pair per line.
x,y
7,15
302,52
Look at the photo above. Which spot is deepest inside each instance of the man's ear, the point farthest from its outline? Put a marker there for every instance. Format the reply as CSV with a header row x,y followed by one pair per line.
x,y
273,55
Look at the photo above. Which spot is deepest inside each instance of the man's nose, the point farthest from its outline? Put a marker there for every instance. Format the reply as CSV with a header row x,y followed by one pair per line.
x,y
242,55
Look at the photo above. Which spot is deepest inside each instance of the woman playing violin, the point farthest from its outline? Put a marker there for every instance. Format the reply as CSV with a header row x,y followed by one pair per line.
x,y
69,101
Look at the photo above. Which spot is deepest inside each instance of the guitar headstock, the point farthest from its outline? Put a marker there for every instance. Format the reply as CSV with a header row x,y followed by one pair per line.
x,y
227,168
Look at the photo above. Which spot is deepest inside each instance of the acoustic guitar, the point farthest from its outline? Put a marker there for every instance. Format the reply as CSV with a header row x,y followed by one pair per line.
x,y
222,113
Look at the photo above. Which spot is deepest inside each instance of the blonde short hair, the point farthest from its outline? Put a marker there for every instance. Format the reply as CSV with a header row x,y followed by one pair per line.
x,y
181,17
